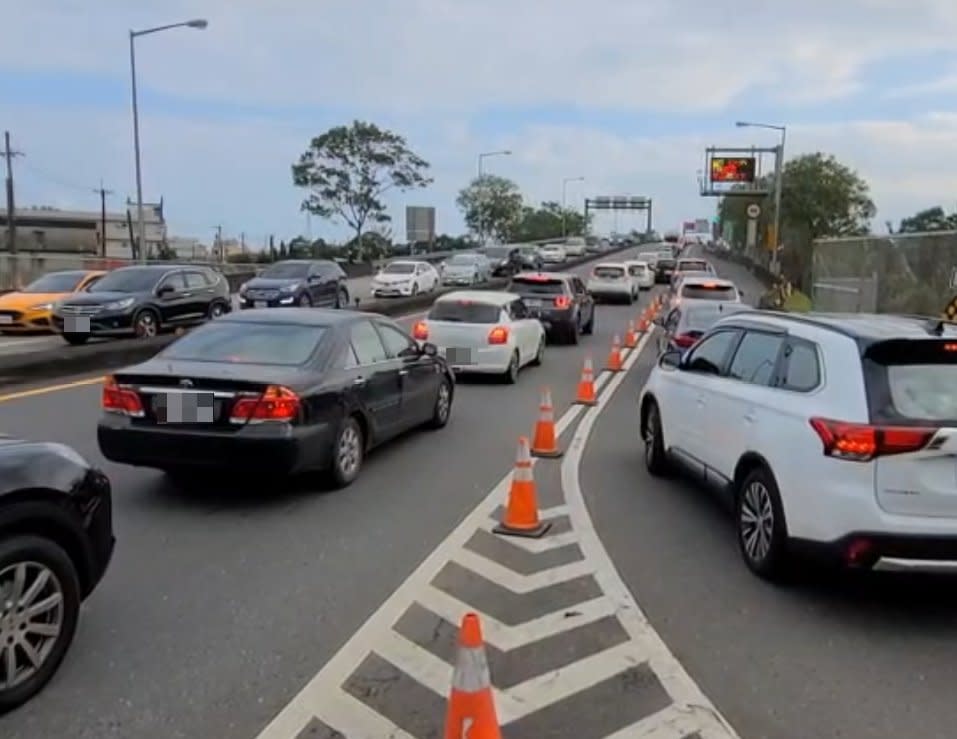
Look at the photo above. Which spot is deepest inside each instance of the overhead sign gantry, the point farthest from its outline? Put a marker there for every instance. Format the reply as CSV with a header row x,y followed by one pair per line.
x,y
619,203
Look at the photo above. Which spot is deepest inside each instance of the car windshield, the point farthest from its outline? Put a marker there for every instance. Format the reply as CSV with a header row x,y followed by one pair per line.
x,y
55,282
708,291
286,271
921,381
399,268
536,286
129,280
609,273
497,252
242,342
461,260
666,263
464,311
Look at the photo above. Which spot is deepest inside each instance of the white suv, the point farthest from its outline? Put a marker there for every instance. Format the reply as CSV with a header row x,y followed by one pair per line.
x,y
832,434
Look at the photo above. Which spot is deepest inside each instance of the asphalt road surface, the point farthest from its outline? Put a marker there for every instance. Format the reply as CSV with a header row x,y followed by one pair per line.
x,y
221,605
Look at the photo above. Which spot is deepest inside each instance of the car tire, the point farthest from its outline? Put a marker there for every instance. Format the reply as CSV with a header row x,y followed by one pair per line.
x,y
510,376
442,410
348,452
62,580
656,458
216,309
342,298
76,339
415,289
589,328
304,301
571,337
760,526
146,324
540,353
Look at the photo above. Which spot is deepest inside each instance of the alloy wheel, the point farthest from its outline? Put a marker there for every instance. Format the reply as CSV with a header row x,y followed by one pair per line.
x,y
31,620
349,451
756,521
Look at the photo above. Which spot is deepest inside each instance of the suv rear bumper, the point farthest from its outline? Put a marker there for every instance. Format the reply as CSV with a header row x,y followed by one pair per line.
x,y
873,546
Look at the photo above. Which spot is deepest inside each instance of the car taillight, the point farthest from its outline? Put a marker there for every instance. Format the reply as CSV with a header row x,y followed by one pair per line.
x,y
860,442
685,340
122,400
277,403
420,332
498,335
562,302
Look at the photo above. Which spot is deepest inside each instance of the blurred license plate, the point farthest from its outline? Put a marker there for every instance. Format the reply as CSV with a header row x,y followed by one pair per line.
x,y
533,303
260,304
459,356
185,408
6,319
76,324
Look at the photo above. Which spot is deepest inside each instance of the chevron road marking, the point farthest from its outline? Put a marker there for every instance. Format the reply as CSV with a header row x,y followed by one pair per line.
x,y
391,679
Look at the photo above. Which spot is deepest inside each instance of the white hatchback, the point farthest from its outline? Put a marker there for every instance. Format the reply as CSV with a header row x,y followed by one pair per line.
x,y
611,281
486,332
641,274
553,254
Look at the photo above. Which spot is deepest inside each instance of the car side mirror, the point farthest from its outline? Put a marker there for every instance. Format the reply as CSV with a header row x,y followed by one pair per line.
x,y
671,359
741,293
165,290
429,349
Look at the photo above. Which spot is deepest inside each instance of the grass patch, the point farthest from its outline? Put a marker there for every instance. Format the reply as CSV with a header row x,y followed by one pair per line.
x,y
797,303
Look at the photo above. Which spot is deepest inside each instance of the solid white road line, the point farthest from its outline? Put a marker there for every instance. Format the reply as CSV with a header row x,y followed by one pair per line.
x,y
515,581
672,675
341,665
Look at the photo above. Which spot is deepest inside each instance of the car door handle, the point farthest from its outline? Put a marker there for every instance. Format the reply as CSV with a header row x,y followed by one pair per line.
x,y
186,295
359,381
403,372
750,417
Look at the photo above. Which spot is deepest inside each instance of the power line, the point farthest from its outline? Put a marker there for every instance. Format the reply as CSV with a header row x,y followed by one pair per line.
x,y
43,174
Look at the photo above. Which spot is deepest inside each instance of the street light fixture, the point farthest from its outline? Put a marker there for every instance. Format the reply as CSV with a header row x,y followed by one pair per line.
x,y
778,184
564,190
197,23
481,158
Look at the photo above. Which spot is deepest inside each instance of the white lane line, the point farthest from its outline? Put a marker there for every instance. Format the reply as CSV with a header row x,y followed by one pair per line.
x,y
312,699
341,709
504,637
673,722
669,670
514,581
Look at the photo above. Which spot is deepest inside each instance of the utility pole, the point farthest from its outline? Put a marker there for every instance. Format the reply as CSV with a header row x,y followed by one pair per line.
x,y
103,193
9,154
219,243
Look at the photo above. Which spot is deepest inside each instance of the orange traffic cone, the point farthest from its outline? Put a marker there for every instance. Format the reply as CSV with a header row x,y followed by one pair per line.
x,y
545,440
586,386
631,338
614,356
521,514
644,325
471,711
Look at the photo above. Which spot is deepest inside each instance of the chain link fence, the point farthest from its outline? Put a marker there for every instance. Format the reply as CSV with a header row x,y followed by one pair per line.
x,y
897,273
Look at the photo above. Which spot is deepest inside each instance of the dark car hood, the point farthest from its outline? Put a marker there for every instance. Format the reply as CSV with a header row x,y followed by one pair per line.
x,y
259,283
97,298
266,374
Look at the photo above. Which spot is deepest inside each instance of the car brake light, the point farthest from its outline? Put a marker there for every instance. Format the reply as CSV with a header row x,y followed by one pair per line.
x,y
420,332
276,403
860,442
498,335
685,340
122,400
563,301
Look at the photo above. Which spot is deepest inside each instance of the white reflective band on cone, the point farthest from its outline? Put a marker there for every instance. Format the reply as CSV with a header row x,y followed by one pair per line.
x,y
471,671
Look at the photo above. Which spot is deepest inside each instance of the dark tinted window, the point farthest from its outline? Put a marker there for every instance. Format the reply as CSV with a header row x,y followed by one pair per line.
x,y
286,271
914,381
709,355
55,282
129,280
367,344
755,358
609,273
177,281
534,286
665,264
709,292
399,268
802,372
464,311
196,280
693,265
240,342
637,270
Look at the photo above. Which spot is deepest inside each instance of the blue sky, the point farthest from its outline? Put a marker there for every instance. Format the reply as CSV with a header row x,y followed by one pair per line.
x,y
623,94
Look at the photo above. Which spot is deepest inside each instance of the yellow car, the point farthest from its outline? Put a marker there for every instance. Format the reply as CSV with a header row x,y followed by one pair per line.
x,y
29,309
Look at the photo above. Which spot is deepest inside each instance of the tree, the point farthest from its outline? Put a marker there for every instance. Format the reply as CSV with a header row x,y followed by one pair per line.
x,y
545,222
931,219
349,169
491,206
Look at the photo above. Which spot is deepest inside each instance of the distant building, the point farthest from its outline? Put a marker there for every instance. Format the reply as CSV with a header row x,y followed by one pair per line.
x,y
188,249
51,229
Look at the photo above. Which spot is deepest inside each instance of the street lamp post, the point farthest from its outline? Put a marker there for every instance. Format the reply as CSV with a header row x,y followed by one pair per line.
x,y
564,190
778,184
198,23
481,159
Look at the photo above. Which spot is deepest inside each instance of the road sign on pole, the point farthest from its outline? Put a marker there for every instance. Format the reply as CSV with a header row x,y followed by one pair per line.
x,y
754,210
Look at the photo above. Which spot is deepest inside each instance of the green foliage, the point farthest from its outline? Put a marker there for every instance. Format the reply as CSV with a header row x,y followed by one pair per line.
x,y
545,222
491,206
349,169
926,221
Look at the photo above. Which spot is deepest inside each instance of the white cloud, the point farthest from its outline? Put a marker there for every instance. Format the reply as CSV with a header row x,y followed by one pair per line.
x,y
427,67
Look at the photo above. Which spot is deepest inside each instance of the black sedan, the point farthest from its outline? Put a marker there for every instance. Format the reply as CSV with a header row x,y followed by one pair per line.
x,y
278,392
142,301
664,269
304,282
56,540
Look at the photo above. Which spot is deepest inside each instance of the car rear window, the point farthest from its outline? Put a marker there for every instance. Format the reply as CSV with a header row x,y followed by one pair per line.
x,y
696,265
605,273
533,286
464,311
666,264
242,342
912,381
709,292
636,270
703,317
